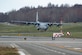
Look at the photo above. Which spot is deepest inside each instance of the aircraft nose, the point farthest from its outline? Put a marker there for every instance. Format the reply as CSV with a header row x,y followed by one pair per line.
x,y
45,27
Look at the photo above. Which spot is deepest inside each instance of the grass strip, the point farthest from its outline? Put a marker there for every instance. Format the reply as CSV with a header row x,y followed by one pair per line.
x,y
8,51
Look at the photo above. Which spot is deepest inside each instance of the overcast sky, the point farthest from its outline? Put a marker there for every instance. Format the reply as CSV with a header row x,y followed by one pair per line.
x,y
8,5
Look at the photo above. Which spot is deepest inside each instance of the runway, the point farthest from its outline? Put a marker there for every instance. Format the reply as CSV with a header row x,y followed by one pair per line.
x,y
43,45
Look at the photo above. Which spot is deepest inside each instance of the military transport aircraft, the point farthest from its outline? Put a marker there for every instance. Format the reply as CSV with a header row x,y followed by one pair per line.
x,y
39,25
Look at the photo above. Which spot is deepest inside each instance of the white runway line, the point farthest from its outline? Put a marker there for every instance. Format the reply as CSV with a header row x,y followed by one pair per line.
x,y
21,53
12,45
50,50
16,46
77,48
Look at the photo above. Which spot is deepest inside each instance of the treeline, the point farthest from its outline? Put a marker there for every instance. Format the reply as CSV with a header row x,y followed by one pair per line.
x,y
51,13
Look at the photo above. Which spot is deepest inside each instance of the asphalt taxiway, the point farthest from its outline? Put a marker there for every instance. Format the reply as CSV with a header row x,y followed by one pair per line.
x,y
43,45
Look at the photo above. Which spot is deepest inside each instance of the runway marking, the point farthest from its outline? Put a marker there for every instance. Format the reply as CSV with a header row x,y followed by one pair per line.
x,y
49,49
66,47
78,48
20,50
75,49
21,53
12,45
15,46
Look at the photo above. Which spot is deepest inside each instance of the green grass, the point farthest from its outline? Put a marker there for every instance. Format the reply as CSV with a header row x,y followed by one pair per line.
x,y
18,28
30,30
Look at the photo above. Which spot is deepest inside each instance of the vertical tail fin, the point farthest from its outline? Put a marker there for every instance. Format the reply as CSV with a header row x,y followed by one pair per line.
x,y
37,17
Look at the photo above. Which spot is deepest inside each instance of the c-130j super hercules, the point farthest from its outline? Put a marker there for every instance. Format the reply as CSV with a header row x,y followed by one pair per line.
x,y
39,25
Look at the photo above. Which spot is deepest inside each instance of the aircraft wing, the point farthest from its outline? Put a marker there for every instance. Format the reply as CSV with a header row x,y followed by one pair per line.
x,y
34,23
57,24
23,22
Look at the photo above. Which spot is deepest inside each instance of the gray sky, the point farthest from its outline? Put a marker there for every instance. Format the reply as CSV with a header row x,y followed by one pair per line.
x,y
8,5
